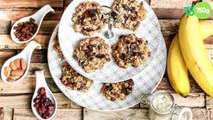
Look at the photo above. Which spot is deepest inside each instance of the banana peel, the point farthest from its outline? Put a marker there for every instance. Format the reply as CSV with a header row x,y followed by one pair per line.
x,y
176,67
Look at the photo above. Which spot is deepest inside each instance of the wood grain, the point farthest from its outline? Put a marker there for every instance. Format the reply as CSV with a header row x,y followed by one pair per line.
x,y
129,114
7,43
6,55
175,4
4,26
209,102
193,100
24,101
10,4
200,114
6,114
61,114
14,15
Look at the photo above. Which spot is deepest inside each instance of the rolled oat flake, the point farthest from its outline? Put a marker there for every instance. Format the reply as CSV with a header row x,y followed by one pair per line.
x,y
162,107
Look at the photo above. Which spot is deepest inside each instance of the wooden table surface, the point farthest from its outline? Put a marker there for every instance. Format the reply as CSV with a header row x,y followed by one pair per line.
x,y
15,99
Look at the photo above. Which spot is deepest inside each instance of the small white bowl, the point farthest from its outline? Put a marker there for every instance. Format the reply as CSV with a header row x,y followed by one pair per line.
x,y
38,16
41,82
26,54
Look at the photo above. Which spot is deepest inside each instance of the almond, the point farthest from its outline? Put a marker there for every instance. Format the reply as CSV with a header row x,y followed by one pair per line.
x,y
13,66
18,72
7,71
18,63
23,64
13,78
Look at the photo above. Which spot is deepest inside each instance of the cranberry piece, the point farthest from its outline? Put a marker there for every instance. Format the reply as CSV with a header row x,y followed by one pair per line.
x,y
44,106
42,91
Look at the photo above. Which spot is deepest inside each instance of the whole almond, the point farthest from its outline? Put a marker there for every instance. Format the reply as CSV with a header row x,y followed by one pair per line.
x,y
7,71
23,64
13,66
13,78
18,72
18,63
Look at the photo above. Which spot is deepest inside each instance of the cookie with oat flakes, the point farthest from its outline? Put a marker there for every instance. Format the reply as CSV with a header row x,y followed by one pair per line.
x,y
131,14
88,18
73,80
92,53
117,91
130,51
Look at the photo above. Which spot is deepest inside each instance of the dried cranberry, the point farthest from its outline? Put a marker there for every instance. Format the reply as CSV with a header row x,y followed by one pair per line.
x,y
43,104
42,91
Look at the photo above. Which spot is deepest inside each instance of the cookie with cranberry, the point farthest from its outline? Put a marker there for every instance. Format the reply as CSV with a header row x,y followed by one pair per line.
x,y
88,18
92,53
130,51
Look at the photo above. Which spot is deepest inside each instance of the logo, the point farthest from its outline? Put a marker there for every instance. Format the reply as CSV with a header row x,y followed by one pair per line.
x,y
202,10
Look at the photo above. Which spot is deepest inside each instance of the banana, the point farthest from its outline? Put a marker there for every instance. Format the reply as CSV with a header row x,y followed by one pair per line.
x,y
195,54
206,29
176,67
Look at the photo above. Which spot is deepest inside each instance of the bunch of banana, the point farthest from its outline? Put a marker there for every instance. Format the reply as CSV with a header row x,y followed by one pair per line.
x,y
177,65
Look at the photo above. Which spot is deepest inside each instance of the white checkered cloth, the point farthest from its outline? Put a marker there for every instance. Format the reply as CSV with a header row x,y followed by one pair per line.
x,y
149,30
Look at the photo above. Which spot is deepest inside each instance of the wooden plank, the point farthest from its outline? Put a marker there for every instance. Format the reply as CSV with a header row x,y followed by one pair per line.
x,y
9,4
6,114
4,55
4,26
67,2
24,101
200,114
26,86
73,105
210,114
7,43
209,102
39,56
176,4
1,113
129,114
14,15
193,100
166,13
68,114
47,27
61,114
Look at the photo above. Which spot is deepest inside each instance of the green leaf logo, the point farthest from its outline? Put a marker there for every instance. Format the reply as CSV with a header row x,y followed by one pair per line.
x,y
202,10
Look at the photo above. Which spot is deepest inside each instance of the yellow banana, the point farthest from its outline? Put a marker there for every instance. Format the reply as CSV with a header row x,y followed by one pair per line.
x,y
176,67
195,54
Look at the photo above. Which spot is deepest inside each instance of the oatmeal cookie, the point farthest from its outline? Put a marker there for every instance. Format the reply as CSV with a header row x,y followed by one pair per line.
x,y
117,91
131,13
73,80
88,18
92,53
130,51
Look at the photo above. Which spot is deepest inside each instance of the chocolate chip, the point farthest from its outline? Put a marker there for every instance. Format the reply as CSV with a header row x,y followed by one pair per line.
x,y
113,99
110,87
100,56
122,56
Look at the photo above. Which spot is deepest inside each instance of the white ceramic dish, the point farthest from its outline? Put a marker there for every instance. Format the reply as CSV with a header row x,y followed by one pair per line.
x,y
26,54
38,16
149,30
145,82
41,82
